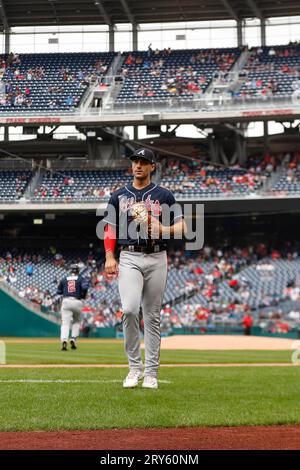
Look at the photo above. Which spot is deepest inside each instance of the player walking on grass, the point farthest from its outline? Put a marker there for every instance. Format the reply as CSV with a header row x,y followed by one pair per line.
x,y
133,219
73,288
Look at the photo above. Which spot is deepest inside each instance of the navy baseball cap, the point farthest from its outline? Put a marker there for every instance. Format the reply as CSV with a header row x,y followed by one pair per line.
x,y
145,154
74,268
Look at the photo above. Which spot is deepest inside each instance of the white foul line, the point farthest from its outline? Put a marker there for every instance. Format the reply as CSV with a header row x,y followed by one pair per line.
x,y
60,381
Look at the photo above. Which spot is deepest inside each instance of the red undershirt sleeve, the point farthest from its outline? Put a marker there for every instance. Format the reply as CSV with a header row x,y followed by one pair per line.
x,y
110,239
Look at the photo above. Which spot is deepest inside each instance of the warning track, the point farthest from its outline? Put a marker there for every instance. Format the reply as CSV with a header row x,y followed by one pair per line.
x,y
198,438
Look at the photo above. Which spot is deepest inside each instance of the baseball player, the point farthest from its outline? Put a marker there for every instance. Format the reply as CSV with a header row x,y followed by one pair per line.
x,y
142,267
73,288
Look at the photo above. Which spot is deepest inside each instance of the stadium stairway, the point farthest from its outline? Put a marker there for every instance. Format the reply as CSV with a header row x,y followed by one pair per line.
x,y
87,99
19,318
116,64
138,74
241,61
112,94
274,178
233,84
116,85
107,95
33,184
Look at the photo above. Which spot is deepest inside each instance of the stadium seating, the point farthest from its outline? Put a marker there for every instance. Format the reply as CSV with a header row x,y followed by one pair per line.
x,y
288,183
192,179
79,186
263,292
47,271
84,186
161,75
201,291
185,179
188,179
55,81
13,185
271,71
213,183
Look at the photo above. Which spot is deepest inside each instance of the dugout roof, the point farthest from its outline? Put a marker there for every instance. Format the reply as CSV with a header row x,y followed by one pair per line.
x,y
87,12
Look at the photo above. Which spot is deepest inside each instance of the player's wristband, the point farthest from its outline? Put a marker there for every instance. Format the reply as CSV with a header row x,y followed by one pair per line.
x,y
110,239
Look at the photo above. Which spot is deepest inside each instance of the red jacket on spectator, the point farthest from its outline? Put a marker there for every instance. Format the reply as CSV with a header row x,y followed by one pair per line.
x,y
198,270
247,321
216,274
275,254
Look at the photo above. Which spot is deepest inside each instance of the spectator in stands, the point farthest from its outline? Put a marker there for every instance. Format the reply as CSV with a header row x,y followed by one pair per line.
x,y
85,328
58,259
47,302
248,323
29,269
9,88
28,103
69,100
12,278
2,88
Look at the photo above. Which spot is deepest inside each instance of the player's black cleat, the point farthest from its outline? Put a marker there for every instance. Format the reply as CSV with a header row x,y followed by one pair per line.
x,y
64,346
73,344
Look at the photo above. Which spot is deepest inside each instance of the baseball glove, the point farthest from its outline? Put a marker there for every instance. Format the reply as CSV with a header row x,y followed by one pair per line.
x,y
140,212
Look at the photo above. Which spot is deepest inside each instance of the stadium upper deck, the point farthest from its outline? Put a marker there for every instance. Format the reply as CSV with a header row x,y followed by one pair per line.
x,y
175,83
33,83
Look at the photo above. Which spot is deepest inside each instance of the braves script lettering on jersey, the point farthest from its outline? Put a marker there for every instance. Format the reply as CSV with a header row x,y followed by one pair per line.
x,y
155,198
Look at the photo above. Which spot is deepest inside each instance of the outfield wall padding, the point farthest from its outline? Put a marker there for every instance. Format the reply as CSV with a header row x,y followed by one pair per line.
x,y
18,320
256,331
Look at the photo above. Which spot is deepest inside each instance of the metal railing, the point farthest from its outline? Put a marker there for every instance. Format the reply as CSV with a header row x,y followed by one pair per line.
x,y
17,165
174,104
83,164
206,103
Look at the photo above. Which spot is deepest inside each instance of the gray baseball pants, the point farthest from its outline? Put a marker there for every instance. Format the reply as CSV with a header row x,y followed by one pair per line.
x,y
142,281
70,317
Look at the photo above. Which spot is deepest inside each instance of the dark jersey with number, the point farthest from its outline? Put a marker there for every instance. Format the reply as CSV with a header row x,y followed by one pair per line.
x,y
160,203
73,285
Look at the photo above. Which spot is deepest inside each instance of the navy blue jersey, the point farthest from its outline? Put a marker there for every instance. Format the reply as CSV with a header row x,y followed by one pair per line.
x,y
158,201
73,285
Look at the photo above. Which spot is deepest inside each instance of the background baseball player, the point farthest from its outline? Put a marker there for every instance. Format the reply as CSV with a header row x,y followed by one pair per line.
x,y
142,265
73,288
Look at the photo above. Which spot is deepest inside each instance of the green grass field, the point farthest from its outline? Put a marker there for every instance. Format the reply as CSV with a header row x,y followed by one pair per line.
x,y
113,353
186,397
93,398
